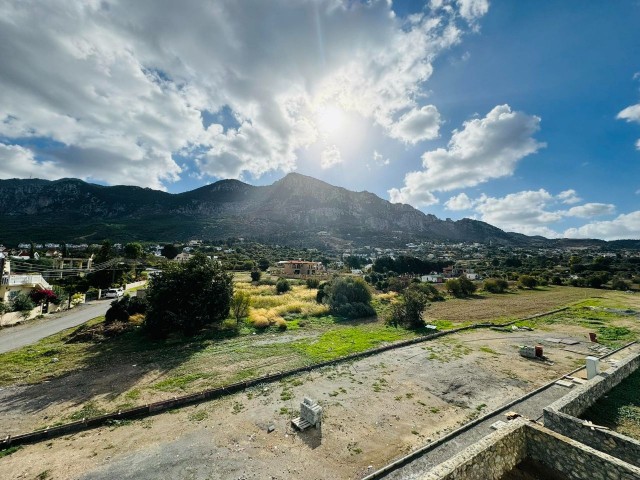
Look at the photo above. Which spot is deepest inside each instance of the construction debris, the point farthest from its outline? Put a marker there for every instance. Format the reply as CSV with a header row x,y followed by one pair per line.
x,y
310,415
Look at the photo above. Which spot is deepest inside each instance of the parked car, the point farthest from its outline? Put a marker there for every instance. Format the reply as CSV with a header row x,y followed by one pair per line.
x,y
114,293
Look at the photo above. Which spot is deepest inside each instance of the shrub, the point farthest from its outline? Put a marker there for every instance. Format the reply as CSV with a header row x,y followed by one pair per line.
x,y
255,275
118,311
348,297
407,310
282,286
496,285
460,287
22,303
527,281
313,283
619,284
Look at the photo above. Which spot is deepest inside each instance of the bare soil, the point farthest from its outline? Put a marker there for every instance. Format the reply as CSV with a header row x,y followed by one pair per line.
x,y
375,409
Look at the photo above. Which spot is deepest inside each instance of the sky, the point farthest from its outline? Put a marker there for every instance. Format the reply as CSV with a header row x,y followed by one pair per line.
x,y
524,114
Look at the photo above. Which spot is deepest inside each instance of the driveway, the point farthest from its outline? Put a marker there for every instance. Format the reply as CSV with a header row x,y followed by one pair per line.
x,y
15,337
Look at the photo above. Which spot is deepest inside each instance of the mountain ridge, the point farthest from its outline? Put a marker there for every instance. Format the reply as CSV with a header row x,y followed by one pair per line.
x,y
292,210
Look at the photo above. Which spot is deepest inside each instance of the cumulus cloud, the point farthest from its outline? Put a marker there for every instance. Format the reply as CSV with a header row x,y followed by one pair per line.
x,y
590,210
631,114
459,202
569,197
532,212
123,88
417,125
624,226
20,162
330,156
485,148
379,159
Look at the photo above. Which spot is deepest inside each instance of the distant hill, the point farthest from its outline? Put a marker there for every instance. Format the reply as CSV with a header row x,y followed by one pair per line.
x,y
296,210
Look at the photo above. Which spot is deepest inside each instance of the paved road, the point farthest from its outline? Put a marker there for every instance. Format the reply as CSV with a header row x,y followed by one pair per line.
x,y
21,335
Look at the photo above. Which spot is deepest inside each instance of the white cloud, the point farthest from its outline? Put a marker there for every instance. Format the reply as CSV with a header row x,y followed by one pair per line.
x,y
417,125
589,210
524,212
330,156
631,114
569,197
379,159
532,212
459,202
122,87
625,226
20,162
485,148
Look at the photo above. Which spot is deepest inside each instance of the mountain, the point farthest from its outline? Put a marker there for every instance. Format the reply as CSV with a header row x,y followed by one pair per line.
x,y
291,211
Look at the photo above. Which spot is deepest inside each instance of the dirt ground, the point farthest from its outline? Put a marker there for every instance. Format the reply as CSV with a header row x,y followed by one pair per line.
x,y
375,410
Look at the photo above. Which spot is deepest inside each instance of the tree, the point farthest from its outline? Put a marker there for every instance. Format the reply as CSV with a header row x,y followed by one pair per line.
x,y
527,281
188,296
255,275
460,287
263,264
407,310
282,286
106,252
349,297
170,251
240,304
133,250
496,285
619,284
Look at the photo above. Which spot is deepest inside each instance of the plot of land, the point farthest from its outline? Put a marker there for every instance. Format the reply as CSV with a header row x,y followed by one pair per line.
x,y
376,408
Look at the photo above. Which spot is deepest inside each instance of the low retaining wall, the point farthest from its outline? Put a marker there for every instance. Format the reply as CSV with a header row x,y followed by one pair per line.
x,y
13,318
159,407
135,284
562,415
498,453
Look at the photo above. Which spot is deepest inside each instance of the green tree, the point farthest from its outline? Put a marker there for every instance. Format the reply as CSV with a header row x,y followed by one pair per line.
x,y
240,304
133,250
460,287
255,275
349,297
106,252
263,264
527,281
188,296
170,251
282,286
496,285
407,311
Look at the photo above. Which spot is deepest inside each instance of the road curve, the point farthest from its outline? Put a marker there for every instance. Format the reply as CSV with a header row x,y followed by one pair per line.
x,y
15,337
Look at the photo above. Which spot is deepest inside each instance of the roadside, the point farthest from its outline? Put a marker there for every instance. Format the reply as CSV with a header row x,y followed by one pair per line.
x,y
21,335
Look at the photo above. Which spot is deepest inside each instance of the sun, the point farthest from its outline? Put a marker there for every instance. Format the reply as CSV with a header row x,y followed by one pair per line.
x,y
330,119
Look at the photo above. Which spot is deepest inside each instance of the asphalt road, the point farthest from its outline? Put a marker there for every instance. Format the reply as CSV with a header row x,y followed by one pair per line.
x,y
15,337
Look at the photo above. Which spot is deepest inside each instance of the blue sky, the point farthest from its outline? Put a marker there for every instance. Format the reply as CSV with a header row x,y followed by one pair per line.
x,y
524,114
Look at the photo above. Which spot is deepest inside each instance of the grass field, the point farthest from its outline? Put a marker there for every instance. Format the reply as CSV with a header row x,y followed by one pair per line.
x,y
129,369
619,410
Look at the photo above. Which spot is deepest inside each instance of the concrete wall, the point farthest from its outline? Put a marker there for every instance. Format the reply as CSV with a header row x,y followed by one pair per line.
x,y
562,416
12,318
135,284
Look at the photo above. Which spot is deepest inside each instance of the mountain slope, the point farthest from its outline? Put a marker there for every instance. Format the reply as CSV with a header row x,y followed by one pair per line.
x,y
292,210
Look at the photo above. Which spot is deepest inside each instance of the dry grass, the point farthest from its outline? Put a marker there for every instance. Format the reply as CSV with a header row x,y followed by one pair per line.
x,y
268,308
509,306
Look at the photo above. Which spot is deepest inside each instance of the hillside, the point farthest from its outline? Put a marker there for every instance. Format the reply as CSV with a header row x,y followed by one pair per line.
x,y
291,211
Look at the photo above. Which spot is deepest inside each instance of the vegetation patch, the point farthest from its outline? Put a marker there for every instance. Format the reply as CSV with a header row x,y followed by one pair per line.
x,y
619,410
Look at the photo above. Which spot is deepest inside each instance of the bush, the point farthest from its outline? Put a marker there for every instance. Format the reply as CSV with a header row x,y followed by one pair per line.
x,y
407,310
460,287
496,285
22,303
282,286
188,296
118,311
255,275
349,297
619,284
313,283
527,281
